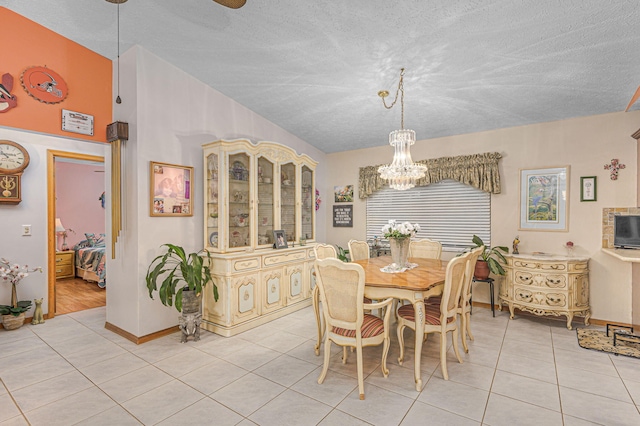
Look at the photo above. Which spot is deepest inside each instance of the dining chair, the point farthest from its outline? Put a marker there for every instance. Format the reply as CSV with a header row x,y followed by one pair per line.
x,y
321,251
342,293
465,300
425,248
359,250
442,318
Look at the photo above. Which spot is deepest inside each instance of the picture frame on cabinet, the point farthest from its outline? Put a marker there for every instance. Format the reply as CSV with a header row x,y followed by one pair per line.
x,y
544,199
589,188
171,190
280,239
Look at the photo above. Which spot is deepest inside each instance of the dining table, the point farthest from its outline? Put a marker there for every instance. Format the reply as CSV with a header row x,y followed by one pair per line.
x,y
423,281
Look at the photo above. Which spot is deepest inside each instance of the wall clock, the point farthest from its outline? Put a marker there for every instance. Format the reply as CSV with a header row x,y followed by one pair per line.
x,y
44,84
14,158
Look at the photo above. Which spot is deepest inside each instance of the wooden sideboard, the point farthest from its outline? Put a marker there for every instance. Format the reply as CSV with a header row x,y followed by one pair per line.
x,y
547,285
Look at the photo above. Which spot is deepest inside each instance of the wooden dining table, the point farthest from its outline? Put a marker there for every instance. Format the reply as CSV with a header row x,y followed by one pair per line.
x,y
425,280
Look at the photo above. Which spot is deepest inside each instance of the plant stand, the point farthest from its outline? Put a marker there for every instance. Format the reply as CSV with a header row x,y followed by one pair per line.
x,y
11,322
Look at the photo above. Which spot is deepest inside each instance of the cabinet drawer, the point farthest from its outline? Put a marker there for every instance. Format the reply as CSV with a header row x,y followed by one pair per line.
x,y
246,264
64,259
531,265
64,271
540,279
283,258
540,298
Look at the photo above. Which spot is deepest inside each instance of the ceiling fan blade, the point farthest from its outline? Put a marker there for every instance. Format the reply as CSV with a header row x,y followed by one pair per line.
x,y
233,4
633,99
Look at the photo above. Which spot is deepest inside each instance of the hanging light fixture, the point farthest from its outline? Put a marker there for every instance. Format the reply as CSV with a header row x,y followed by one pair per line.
x,y
402,173
118,2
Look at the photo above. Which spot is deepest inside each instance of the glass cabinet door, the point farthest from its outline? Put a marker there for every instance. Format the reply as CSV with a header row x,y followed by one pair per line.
x,y
308,204
212,196
239,235
288,200
266,212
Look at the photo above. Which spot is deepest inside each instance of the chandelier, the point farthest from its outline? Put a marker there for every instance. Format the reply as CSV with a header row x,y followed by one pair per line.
x,y
402,173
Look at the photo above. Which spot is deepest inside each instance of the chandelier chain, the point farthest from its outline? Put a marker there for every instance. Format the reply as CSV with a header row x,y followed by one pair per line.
x,y
399,90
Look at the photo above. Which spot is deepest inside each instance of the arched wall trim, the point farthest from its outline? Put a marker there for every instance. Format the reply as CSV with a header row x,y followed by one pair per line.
x,y
478,170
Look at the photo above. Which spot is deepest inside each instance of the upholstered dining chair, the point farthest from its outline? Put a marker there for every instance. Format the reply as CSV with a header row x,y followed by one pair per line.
x,y
321,251
465,300
425,248
358,250
442,318
342,293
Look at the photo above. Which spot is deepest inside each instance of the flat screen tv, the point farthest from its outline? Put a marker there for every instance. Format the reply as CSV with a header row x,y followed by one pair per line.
x,y
626,231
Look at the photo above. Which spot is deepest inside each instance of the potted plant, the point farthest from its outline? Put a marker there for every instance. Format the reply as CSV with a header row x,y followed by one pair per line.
x,y
489,260
176,267
13,315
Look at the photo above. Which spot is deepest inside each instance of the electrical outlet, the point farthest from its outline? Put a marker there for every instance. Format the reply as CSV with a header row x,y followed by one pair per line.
x,y
26,230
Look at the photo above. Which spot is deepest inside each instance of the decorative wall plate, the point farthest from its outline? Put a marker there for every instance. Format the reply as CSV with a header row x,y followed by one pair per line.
x,y
44,84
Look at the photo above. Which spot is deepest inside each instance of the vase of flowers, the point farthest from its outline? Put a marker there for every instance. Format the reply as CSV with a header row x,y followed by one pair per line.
x,y
399,235
12,273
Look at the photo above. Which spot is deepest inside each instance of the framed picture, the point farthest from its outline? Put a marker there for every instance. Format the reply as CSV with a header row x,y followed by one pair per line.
x,y
343,216
343,194
171,190
589,188
280,239
544,199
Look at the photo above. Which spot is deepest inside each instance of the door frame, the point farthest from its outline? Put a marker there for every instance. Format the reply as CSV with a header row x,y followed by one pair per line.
x,y
51,218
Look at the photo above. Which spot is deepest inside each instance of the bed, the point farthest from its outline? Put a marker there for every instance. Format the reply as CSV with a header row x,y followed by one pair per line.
x,y
90,260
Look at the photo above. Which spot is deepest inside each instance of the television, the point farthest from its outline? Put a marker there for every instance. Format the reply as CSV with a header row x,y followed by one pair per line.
x,y
626,231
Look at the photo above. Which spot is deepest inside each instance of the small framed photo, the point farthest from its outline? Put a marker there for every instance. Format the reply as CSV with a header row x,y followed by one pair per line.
x,y
171,190
589,188
280,239
343,194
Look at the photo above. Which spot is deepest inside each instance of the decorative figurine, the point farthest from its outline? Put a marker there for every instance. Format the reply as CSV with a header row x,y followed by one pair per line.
x,y
190,326
38,317
516,241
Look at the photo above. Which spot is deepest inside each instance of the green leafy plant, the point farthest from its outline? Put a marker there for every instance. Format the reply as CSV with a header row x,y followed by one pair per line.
x,y
176,267
21,306
342,254
492,255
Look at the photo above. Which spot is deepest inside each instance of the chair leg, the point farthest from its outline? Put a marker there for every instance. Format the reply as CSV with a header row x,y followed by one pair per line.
x,y
327,356
463,335
443,354
468,324
455,345
401,343
360,370
344,354
385,352
319,321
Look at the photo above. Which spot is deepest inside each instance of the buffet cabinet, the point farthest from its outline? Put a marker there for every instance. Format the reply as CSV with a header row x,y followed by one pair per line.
x,y
547,285
252,190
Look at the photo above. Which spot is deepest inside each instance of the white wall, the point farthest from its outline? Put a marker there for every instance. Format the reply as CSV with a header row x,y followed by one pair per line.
x,y
586,144
171,114
32,250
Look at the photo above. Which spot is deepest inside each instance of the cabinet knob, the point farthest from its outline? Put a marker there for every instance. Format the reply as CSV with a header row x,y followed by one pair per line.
x,y
246,295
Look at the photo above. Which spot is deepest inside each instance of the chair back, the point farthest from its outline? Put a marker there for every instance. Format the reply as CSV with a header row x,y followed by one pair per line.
x,y
471,266
358,250
453,284
325,251
425,248
341,291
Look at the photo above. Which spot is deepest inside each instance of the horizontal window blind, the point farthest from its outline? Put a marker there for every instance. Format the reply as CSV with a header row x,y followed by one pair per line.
x,y
448,211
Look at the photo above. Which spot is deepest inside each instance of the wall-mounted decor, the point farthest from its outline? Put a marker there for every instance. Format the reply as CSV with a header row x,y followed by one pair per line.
x,y
7,100
318,199
14,158
343,194
343,216
544,199
77,122
613,167
171,190
280,239
44,84
588,188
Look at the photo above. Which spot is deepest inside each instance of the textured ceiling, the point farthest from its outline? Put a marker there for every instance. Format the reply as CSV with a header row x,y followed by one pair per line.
x,y
315,67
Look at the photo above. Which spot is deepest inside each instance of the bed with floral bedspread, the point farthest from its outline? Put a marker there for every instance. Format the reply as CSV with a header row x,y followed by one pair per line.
x,y
90,260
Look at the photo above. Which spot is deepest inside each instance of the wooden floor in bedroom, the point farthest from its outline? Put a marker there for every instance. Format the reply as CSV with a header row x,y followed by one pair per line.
x,y
76,294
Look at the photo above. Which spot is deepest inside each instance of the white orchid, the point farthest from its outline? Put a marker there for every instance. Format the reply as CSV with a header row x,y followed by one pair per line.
x,y
395,229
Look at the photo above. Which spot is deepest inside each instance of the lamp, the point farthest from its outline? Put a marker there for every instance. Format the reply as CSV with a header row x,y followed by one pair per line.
x,y
402,173
61,231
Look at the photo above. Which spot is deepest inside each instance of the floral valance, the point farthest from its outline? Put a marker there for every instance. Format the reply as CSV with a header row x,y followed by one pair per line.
x,y
478,170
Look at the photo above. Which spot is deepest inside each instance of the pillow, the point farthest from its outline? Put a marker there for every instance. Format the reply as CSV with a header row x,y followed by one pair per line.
x,y
91,239
99,240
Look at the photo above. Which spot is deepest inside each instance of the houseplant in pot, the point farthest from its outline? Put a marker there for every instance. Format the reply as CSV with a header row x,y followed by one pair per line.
x,y
490,260
182,276
13,315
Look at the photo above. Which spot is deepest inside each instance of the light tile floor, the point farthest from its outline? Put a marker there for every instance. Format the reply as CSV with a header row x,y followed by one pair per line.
x,y
529,370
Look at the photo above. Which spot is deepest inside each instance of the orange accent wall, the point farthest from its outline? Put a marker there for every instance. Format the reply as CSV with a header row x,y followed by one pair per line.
x,y
87,74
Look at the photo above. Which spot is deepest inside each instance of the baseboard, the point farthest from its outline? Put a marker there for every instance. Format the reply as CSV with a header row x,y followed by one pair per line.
x,y
143,339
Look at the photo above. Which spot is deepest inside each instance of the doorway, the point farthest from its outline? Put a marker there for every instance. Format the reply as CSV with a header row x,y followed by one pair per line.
x,y
76,222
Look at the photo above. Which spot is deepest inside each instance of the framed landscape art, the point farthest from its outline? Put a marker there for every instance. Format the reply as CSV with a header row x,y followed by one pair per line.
x,y
544,199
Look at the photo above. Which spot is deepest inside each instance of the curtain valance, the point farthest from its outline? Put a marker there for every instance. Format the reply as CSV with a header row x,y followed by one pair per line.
x,y
478,170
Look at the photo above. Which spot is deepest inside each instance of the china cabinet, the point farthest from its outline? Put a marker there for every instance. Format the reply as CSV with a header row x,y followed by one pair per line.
x,y
547,285
250,191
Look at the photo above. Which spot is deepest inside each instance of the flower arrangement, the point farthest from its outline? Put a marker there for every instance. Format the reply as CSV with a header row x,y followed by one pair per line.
x,y
318,200
14,273
394,229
